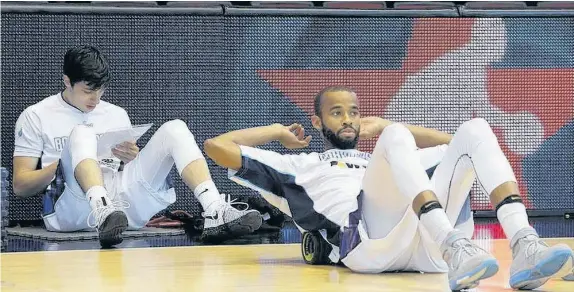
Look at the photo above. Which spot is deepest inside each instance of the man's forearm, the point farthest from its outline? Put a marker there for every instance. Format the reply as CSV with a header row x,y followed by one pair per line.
x,y
30,183
225,151
253,136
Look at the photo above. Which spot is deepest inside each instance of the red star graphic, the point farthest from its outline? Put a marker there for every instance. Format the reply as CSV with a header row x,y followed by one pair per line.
x,y
431,39
545,93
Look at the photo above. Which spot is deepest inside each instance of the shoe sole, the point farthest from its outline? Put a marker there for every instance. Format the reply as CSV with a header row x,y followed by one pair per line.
x,y
241,226
112,229
487,269
540,273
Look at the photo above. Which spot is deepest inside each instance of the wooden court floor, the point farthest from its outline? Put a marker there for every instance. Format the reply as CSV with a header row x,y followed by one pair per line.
x,y
267,268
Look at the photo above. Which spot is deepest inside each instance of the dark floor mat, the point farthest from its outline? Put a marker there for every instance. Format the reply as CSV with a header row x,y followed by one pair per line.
x,y
42,233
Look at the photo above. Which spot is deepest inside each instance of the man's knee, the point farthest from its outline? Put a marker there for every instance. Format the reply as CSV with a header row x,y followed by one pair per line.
x,y
82,145
174,129
174,124
476,129
396,135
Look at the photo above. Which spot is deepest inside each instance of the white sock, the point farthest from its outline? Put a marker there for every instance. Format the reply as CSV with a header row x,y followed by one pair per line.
x,y
208,196
436,223
98,196
513,218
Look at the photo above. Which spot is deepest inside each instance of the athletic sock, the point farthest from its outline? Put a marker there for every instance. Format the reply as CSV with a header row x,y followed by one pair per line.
x,y
513,218
437,224
97,197
208,196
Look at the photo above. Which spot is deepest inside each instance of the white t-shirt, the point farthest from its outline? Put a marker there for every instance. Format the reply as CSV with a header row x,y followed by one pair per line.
x,y
42,129
319,189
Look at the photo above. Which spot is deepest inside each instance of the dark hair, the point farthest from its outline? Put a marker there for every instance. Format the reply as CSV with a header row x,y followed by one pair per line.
x,y
327,89
87,64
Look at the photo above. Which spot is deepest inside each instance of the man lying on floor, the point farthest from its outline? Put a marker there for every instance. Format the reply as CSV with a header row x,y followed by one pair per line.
x,y
381,210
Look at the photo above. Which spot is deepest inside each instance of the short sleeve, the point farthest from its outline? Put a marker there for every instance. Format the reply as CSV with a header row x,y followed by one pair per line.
x,y
28,135
264,170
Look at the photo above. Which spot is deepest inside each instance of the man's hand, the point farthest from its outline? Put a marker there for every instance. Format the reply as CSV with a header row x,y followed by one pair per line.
x,y
126,151
293,137
372,127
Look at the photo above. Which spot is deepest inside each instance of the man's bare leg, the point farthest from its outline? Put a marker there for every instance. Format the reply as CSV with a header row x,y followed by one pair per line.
x,y
88,174
173,143
110,221
197,177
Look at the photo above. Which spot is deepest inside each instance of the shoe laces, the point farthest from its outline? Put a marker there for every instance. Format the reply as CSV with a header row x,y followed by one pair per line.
x,y
227,202
463,247
532,247
101,212
227,199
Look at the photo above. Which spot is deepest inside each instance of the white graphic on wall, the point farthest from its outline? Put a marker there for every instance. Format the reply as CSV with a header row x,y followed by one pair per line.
x,y
452,89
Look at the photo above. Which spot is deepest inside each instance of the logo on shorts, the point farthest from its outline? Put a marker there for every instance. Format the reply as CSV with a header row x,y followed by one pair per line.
x,y
109,163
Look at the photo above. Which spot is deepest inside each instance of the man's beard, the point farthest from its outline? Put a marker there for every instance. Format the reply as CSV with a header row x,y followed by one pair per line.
x,y
339,143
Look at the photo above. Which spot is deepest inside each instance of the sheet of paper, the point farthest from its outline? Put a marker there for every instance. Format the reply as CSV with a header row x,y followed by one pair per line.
x,y
110,139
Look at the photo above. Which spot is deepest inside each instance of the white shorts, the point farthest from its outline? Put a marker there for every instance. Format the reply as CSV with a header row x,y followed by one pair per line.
x,y
142,184
384,233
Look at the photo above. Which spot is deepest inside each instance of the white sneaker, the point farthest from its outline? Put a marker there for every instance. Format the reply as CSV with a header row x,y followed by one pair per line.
x,y
227,222
110,221
467,262
533,261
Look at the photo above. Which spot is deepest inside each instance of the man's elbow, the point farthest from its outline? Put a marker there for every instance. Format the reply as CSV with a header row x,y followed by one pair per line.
x,y
18,189
21,188
210,147
214,149
221,152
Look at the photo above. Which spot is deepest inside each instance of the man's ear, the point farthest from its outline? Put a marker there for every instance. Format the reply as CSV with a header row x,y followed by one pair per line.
x,y
67,82
316,122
